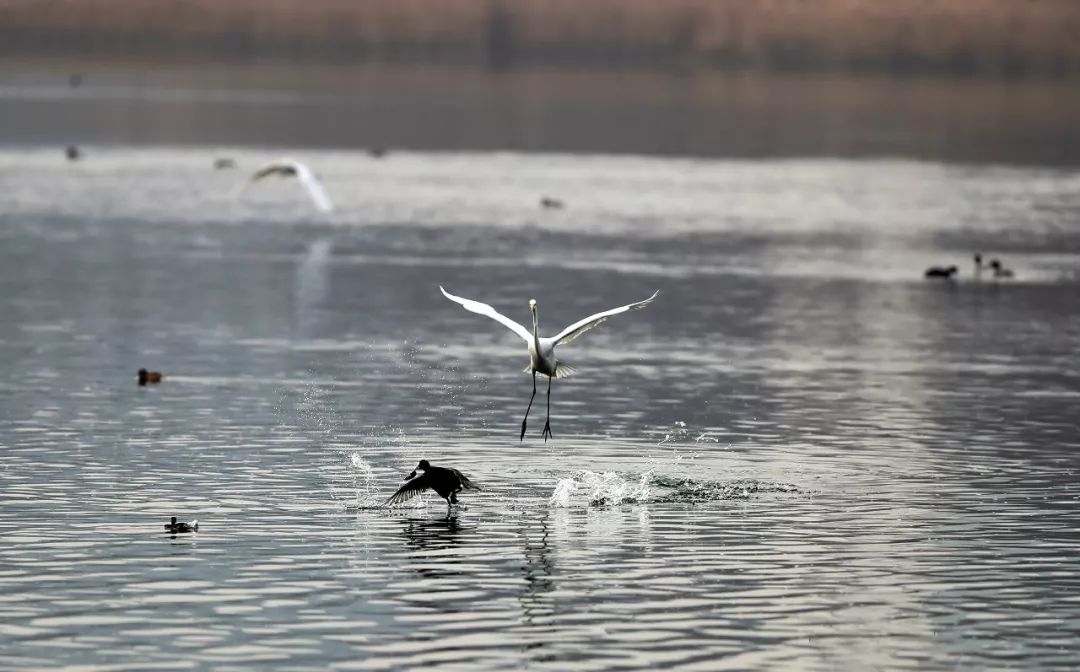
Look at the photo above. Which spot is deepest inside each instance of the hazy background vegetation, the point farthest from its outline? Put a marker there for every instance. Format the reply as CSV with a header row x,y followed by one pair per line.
x,y
971,80
979,37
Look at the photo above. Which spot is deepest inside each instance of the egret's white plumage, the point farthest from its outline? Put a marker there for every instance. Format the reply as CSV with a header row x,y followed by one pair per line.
x,y
542,350
290,168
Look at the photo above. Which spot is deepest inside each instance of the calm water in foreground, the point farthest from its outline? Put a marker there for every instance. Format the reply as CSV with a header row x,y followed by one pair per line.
x,y
801,456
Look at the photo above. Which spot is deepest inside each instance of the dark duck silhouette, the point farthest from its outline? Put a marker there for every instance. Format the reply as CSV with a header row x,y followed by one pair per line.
x,y
444,480
72,153
549,203
946,272
174,527
150,377
999,270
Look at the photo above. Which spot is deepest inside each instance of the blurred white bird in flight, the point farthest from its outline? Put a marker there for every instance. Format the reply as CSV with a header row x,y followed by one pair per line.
x,y
290,168
542,350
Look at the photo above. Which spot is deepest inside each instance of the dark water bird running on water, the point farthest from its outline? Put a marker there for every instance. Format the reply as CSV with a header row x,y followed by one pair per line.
x,y
150,377
181,527
542,350
446,481
946,272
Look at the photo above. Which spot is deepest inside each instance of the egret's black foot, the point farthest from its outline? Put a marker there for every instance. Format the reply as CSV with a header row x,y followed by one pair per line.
x,y
547,431
523,430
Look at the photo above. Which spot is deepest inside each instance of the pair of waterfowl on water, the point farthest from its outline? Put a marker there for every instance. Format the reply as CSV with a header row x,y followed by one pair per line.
x,y
949,272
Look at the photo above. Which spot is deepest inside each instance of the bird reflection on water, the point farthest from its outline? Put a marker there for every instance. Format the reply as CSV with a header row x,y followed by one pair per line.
x,y
425,534
538,570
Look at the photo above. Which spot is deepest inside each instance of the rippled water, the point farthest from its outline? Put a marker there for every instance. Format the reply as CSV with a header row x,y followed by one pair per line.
x,y
801,456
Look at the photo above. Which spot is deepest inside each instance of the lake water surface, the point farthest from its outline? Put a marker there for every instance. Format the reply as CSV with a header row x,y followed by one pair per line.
x,y
801,456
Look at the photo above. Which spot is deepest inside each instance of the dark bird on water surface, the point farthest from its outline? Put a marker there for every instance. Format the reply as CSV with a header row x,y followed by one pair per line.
x,y
446,481
181,527
946,272
549,203
150,377
999,270
72,153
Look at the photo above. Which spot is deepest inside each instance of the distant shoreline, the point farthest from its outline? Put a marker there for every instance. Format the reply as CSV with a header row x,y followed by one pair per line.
x,y
1008,39
702,114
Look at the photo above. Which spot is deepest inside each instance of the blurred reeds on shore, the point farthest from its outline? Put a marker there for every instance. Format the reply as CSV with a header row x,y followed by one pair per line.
x,y
982,38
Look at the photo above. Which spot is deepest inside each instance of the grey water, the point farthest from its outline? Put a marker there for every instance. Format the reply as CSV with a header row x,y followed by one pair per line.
x,y
802,455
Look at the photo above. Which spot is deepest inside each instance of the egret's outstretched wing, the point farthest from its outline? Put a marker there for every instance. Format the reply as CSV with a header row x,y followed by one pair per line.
x,y
488,311
465,482
581,326
314,187
409,490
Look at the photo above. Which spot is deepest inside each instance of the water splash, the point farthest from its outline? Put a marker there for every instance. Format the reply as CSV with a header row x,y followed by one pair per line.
x,y
357,487
600,489
681,433
588,488
689,490
678,433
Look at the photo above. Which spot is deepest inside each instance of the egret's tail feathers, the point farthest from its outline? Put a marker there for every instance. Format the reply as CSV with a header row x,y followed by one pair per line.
x,y
564,370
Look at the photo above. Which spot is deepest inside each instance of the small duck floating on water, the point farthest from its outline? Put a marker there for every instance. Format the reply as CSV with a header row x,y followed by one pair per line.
x,y
999,270
150,377
446,481
945,272
174,527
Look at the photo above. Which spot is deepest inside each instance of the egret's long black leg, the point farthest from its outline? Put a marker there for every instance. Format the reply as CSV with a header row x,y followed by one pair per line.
x,y
547,423
526,420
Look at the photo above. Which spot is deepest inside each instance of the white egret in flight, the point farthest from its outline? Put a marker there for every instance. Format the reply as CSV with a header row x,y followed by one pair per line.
x,y
290,168
542,350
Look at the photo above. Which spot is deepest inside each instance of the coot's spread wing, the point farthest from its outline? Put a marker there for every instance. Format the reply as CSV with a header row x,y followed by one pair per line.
x,y
410,489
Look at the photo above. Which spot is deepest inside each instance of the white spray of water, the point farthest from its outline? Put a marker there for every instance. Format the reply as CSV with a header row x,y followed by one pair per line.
x,y
598,489
357,487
